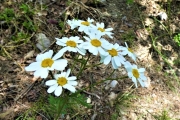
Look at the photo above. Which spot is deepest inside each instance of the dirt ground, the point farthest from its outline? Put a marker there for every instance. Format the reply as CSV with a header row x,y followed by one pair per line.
x,y
140,24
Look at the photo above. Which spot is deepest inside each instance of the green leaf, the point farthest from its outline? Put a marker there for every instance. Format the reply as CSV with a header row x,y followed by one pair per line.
x,y
80,99
129,1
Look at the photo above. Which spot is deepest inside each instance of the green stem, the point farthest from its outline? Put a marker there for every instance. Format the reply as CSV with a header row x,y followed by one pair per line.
x,y
111,73
74,62
83,66
95,65
107,79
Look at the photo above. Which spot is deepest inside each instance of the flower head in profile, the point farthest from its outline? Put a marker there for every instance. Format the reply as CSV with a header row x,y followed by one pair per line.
x,y
114,56
44,63
62,81
69,44
99,29
128,51
95,44
72,23
136,74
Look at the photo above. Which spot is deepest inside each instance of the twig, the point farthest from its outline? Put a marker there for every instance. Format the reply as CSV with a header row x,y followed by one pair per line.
x,y
93,94
24,92
11,57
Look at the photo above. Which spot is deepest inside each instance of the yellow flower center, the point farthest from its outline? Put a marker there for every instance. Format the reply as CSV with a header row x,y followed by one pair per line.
x,y
130,50
47,62
71,43
113,52
135,73
86,23
62,81
95,42
101,29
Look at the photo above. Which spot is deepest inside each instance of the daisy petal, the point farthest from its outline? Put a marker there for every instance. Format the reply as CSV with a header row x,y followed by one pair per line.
x,y
141,69
58,91
116,60
74,83
71,49
130,74
134,80
107,60
60,64
114,64
95,52
71,78
109,29
48,54
143,77
33,66
60,53
134,66
64,39
81,51
50,82
39,57
101,51
141,82
43,73
68,72
70,88
124,52
60,43
52,88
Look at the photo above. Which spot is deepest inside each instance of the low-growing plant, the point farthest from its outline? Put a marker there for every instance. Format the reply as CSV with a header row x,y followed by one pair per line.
x,y
20,36
122,102
65,104
177,39
163,116
26,9
90,42
7,15
129,1
129,37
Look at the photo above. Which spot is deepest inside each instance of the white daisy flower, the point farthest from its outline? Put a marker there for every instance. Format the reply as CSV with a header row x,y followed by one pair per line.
x,y
128,51
136,74
70,44
72,23
114,55
99,29
84,26
95,44
62,81
44,63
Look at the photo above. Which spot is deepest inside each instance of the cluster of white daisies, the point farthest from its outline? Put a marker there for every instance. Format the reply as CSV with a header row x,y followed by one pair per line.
x,y
95,44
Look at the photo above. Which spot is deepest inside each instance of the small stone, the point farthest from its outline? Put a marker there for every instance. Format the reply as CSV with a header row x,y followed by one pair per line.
x,y
113,83
163,15
43,41
88,100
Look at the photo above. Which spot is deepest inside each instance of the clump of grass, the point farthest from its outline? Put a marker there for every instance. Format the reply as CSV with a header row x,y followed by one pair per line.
x,y
7,15
177,39
163,116
129,37
14,20
122,102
